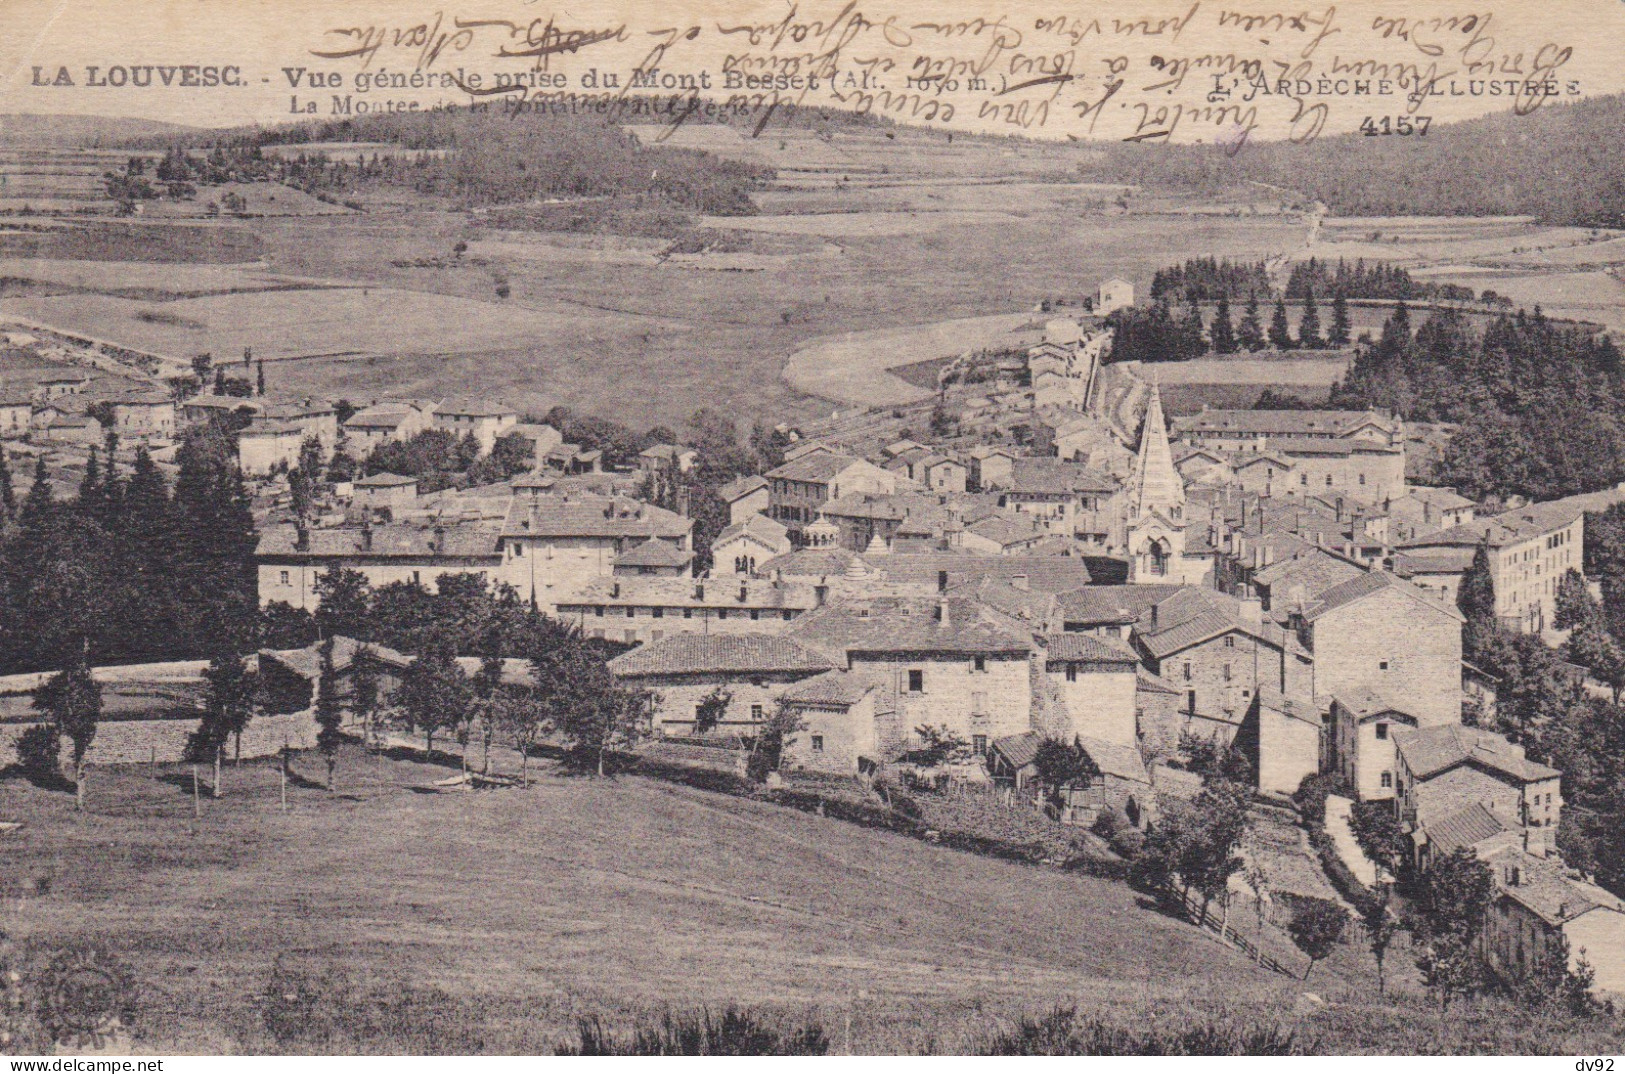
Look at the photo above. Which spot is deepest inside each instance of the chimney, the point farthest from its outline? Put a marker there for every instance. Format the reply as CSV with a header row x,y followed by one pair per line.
x,y
820,594
942,581
1153,618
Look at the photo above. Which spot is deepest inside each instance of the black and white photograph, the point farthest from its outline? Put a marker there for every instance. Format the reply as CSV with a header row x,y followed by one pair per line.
x,y
811,528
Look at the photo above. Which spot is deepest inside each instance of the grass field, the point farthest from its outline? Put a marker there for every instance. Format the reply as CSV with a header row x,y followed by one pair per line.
x,y
490,921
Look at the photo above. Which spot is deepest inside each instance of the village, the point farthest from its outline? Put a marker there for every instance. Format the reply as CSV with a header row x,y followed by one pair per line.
x,y
1037,560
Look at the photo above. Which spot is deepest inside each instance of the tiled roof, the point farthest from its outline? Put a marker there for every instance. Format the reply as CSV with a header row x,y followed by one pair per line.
x,y
382,416
810,563
1364,585
1193,615
839,687
1003,530
1433,561
1463,828
912,624
816,466
474,408
1365,703
389,541
1431,750
588,515
740,487
385,481
758,526
1280,422
1050,574
654,553
1314,572
1546,890
1298,707
1019,750
1509,527
1049,477
1115,759
1088,647
693,654
153,398
1110,604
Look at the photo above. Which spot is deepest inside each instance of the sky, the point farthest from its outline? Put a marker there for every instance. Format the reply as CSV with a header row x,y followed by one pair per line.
x,y
1182,70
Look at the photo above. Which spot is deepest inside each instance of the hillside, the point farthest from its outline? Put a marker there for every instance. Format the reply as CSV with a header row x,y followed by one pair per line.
x,y
535,903
1564,164
18,130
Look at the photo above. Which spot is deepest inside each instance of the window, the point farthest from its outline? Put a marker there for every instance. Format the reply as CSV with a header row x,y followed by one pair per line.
x,y
722,613
978,704
979,664
978,745
1072,673
1229,641
631,612
284,577
688,613
631,637
1227,673
1387,779
1187,671
599,611
658,613
788,615
755,614
417,578
1382,665
916,681
756,712
1190,701
1382,730
818,743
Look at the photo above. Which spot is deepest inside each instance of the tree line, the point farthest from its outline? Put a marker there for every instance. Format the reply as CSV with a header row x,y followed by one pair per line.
x,y
1163,333
132,569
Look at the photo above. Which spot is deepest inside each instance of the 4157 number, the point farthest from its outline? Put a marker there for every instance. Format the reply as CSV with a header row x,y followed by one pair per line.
x,y
1404,126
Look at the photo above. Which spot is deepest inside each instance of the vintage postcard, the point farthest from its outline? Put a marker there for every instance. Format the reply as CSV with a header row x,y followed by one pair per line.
x,y
811,527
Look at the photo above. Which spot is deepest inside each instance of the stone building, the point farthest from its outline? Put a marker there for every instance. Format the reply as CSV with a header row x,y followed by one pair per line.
x,y
749,670
1377,634
647,609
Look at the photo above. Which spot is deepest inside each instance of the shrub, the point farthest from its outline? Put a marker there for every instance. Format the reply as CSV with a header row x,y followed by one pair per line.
x,y
735,1032
1127,842
1310,797
39,752
1062,1032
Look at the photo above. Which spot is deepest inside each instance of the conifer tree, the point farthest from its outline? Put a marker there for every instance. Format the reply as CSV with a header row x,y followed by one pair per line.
x,y
1309,323
1339,335
1250,333
1222,332
329,713
1280,334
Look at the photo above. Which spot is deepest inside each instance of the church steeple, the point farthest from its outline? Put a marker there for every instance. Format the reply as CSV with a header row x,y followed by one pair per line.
x,y
1157,485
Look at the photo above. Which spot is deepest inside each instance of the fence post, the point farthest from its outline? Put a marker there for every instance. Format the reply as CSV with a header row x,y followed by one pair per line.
x,y
197,808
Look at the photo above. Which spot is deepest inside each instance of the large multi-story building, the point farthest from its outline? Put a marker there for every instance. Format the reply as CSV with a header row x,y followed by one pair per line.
x,y
1529,550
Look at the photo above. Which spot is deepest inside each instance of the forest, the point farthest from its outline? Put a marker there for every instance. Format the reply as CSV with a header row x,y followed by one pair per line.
x,y
1541,404
477,160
